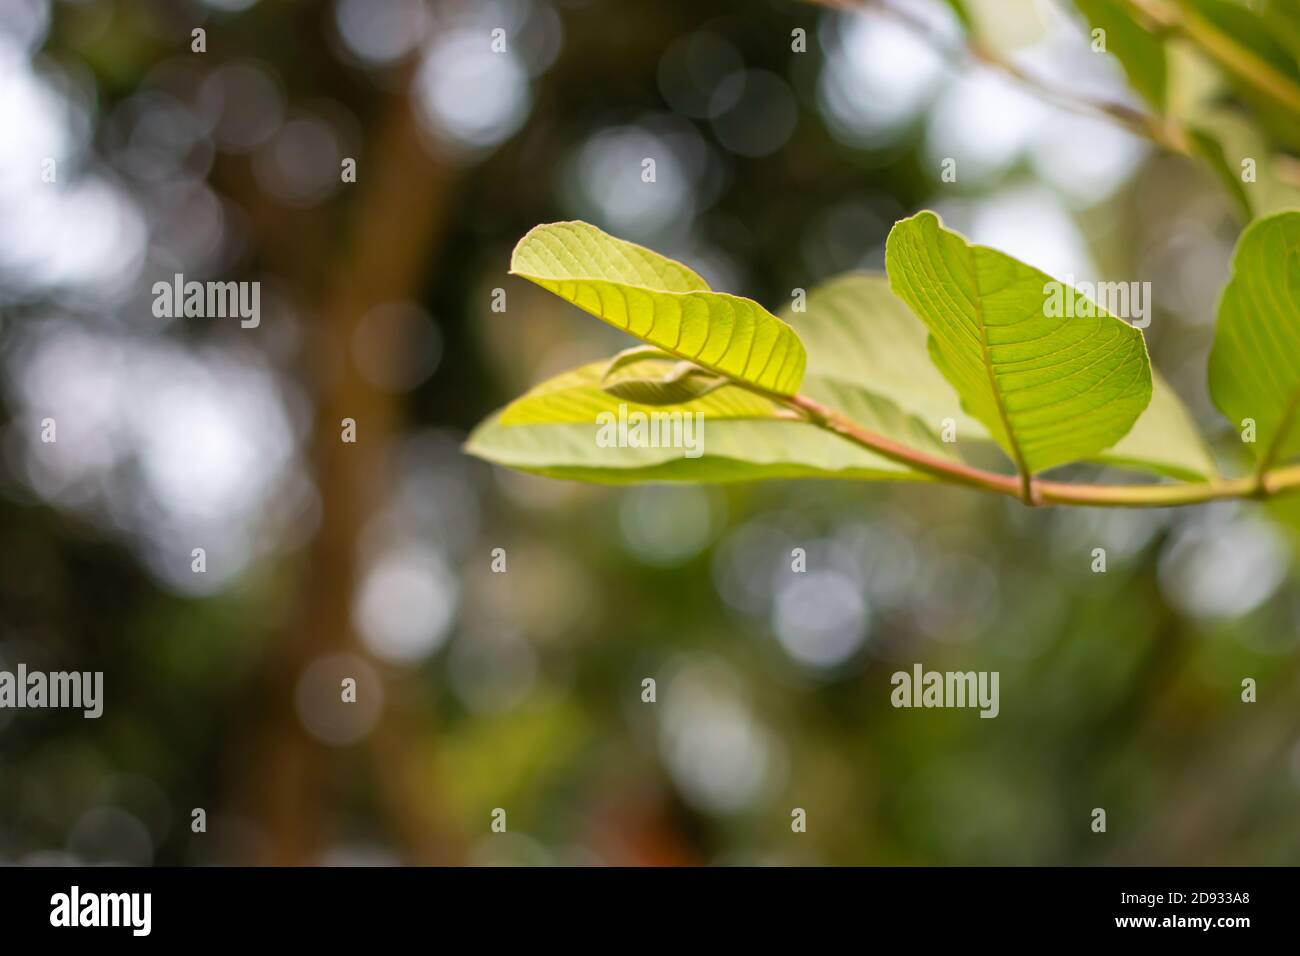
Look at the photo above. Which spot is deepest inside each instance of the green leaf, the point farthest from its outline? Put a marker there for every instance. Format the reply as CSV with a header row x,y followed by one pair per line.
x,y
663,303
1050,390
864,343
1141,54
1255,361
867,357
1164,439
552,430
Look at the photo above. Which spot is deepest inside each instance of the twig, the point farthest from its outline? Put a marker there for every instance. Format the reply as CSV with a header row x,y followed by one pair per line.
x,y
1156,129
1224,50
1271,483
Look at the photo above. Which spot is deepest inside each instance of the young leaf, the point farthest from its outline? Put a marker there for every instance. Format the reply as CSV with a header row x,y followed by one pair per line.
x,y
663,303
1255,361
674,385
638,353
1051,390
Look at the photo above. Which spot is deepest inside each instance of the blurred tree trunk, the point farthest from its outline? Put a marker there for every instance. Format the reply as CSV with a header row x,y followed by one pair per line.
x,y
287,779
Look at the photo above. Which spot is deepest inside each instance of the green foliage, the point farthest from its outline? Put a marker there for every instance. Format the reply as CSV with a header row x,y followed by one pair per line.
x,y
1050,389
866,349
1198,63
552,430
865,346
1210,148
1164,439
1253,26
1255,363
1140,53
1002,356
1250,43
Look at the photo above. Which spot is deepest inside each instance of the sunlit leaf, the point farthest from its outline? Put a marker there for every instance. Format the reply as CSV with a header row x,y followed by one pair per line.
x,y
1164,440
663,303
553,429
864,342
1049,389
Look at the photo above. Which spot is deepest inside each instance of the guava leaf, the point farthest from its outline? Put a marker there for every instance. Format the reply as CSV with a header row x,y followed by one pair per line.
x,y
1255,362
864,342
663,303
1164,440
553,430
1050,390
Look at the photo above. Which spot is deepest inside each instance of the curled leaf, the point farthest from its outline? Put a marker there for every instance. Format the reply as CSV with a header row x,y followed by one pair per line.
x,y
683,382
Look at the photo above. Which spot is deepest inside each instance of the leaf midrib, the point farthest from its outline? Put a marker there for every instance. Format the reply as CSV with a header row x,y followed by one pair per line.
x,y
1017,455
534,277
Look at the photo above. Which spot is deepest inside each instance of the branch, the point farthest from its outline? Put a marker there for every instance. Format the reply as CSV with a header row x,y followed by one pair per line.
x,y
932,465
1224,50
1265,485
402,205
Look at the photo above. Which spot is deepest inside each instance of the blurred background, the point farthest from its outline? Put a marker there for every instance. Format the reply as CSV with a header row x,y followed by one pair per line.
x,y
777,167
